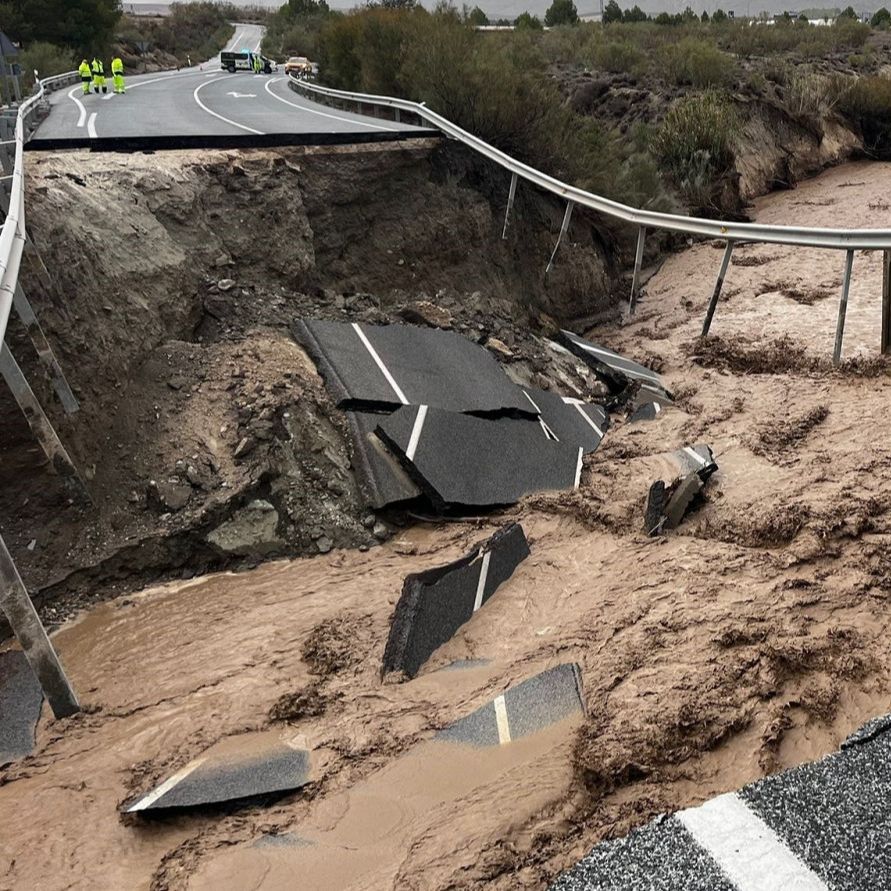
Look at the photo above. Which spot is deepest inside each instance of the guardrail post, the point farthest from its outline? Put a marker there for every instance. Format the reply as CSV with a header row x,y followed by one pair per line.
x,y
511,194
567,216
716,293
886,302
842,309
28,629
638,260
44,351
397,116
40,424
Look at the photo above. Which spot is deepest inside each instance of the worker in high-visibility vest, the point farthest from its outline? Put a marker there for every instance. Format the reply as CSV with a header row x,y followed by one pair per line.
x,y
86,76
117,75
258,64
98,70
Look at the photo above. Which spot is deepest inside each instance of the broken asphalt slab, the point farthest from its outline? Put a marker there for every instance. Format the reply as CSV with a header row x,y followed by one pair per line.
x,y
464,461
617,372
239,767
822,825
382,480
527,708
569,420
436,603
684,474
380,367
20,702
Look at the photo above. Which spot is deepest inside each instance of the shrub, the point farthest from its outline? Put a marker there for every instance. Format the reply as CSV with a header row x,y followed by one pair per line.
x,y
811,95
881,19
45,58
527,22
695,62
867,102
695,144
618,56
561,12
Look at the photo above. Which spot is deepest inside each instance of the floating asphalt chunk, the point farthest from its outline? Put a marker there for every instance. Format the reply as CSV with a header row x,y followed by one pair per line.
x,y
380,367
617,372
20,701
237,768
527,708
646,411
569,420
382,479
459,460
870,730
835,814
699,459
436,603
669,500
661,856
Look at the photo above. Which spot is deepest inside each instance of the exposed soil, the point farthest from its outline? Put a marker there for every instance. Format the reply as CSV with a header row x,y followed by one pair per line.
x,y
752,638
205,436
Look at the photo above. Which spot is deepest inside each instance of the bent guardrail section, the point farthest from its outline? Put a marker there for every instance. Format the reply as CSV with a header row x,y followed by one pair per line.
x,y
848,240
14,600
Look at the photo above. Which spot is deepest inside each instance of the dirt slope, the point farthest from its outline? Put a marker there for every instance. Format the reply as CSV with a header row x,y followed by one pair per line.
x,y
754,637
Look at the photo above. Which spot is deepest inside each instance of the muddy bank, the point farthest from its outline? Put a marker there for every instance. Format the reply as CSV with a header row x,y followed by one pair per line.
x,y
204,434
754,637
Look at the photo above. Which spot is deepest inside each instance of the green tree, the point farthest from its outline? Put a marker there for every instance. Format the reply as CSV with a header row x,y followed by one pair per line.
x,y
84,26
635,14
704,17
802,18
688,15
304,8
477,17
664,19
719,17
848,13
561,12
612,13
527,22
881,19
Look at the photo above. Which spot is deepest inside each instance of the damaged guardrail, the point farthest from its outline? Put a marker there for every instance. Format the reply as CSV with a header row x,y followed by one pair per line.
x,y
731,233
14,600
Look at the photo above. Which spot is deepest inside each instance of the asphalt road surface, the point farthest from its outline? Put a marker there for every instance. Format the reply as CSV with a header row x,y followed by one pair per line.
x,y
200,101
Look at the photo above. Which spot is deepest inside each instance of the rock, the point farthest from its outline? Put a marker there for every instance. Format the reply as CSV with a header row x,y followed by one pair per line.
x,y
423,312
369,521
176,383
222,260
405,548
168,496
324,544
245,447
249,532
493,343
226,284
381,531
193,476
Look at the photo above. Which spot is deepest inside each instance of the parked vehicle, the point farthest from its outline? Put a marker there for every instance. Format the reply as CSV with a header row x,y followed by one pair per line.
x,y
244,61
299,66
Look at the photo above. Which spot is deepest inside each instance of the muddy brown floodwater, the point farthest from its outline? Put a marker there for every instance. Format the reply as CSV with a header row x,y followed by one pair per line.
x,y
752,638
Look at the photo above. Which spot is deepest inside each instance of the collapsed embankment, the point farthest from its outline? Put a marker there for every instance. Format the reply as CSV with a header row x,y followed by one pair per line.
x,y
204,434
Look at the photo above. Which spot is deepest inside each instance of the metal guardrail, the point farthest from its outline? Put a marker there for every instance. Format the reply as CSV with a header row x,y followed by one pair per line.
x,y
14,600
848,240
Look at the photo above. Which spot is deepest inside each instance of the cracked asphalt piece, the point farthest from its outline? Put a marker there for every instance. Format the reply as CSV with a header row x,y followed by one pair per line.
x,y
236,768
569,420
380,367
436,603
521,710
20,702
627,380
462,461
822,825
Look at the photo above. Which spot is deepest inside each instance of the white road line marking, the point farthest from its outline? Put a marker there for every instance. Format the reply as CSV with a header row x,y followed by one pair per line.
x,y
173,76
210,111
380,364
323,114
481,584
578,469
501,720
651,376
549,434
82,119
581,411
534,405
416,432
107,96
695,456
747,850
91,126
165,787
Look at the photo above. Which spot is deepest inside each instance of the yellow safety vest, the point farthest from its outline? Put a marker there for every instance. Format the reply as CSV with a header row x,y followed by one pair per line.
x,y
117,66
85,69
97,67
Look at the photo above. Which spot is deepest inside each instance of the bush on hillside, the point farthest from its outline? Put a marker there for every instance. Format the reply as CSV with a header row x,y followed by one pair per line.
x,y
695,63
867,103
695,144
